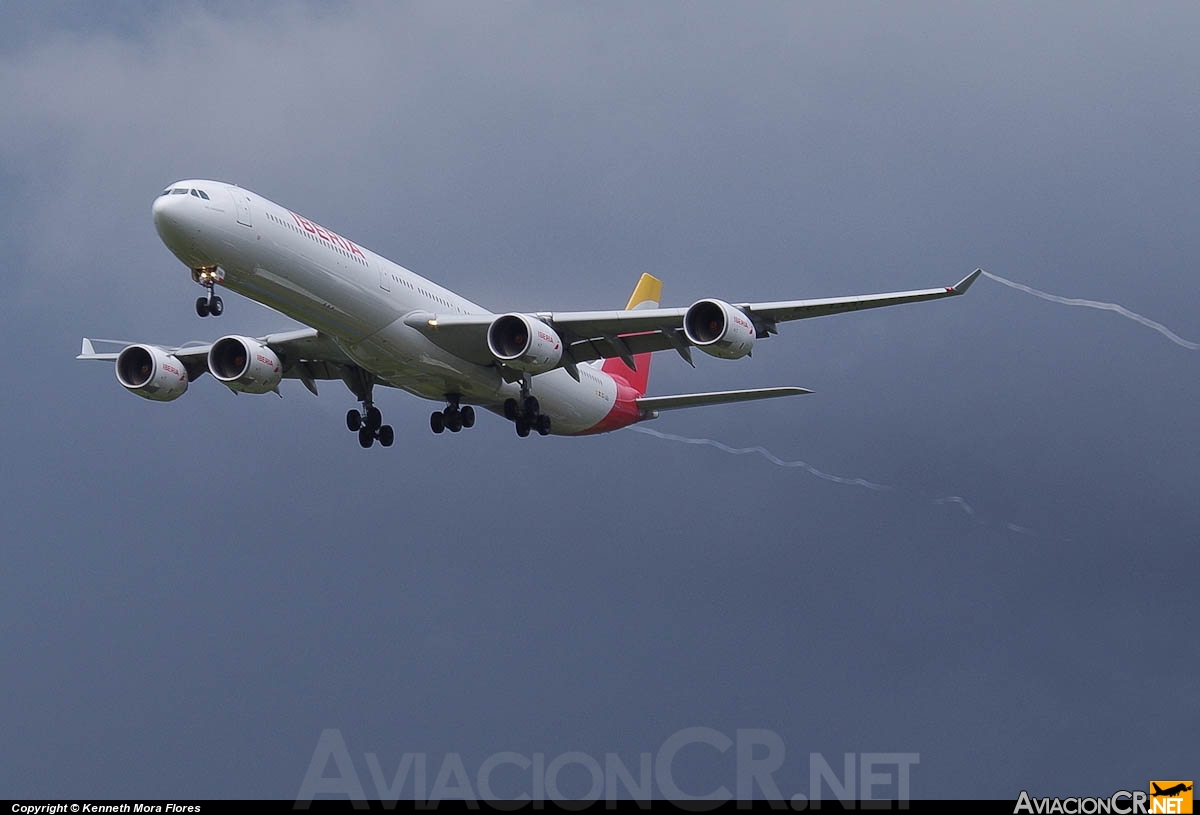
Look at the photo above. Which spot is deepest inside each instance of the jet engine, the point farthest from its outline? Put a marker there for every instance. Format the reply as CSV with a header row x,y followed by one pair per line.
x,y
719,329
151,373
244,365
524,343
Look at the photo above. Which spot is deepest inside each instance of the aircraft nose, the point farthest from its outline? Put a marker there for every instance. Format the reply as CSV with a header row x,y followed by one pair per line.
x,y
171,218
179,220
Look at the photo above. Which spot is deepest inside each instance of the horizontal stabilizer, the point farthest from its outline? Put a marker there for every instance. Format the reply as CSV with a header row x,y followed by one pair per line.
x,y
685,400
89,350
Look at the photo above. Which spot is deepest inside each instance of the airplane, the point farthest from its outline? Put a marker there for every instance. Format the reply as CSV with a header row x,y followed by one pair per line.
x,y
372,322
1170,792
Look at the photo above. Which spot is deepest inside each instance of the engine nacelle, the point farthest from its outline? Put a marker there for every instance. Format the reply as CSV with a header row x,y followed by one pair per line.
x,y
719,329
152,373
524,343
244,365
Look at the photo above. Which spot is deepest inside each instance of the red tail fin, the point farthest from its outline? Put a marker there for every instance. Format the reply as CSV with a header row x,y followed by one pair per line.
x,y
645,295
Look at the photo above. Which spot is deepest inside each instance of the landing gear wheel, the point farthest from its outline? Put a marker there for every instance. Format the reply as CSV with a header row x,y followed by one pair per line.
x,y
437,422
510,409
454,422
367,422
522,427
468,416
201,306
543,425
386,435
374,419
532,408
216,306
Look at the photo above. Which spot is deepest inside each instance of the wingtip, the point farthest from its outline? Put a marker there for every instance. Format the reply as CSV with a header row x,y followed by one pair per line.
x,y
961,286
88,350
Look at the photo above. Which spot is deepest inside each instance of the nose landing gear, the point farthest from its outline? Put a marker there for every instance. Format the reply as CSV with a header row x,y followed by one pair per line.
x,y
211,305
208,277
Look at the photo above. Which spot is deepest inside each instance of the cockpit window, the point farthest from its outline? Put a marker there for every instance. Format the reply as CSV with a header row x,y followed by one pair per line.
x,y
184,191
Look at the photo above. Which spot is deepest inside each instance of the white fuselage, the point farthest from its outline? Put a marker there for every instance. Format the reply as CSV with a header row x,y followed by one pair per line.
x,y
279,258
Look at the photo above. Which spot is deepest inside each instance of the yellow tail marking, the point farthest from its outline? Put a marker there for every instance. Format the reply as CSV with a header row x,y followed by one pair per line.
x,y
646,294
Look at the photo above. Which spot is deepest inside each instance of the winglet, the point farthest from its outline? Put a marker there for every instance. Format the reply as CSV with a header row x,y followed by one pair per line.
x,y
961,286
88,349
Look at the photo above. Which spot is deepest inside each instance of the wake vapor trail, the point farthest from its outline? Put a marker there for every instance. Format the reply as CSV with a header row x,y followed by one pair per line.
x,y
1096,304
768,455
956,500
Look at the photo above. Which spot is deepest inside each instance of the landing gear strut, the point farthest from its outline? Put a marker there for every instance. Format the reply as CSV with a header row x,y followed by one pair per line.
x,y
526,412
212,303
452,417
369,424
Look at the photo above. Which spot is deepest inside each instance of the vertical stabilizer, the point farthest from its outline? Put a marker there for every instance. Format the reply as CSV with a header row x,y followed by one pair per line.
x,y
646,294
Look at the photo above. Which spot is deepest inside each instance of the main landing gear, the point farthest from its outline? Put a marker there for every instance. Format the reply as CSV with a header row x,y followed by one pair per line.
x,y
526,413
212,303
369,424
452,417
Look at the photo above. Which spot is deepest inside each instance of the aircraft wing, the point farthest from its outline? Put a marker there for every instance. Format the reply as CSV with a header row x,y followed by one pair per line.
x,y
771,313
306,354
590,335
608,324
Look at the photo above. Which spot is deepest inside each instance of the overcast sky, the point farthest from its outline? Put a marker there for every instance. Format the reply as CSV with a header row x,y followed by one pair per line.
x,y
194,591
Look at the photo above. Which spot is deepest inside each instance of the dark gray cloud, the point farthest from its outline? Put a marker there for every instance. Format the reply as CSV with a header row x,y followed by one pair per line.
x,y
194,591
